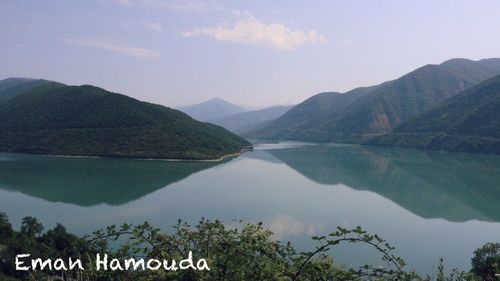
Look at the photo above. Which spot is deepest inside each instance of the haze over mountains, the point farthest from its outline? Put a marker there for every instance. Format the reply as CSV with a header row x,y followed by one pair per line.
x,y
12,87
250,120
211,109
235,118
53,118
452,106
363,113
297,119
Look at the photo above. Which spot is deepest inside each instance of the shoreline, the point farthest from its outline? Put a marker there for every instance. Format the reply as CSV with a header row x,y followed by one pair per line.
x,y
222,158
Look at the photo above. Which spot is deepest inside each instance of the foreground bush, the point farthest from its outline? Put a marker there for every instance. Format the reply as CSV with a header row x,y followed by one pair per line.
x,y
247,252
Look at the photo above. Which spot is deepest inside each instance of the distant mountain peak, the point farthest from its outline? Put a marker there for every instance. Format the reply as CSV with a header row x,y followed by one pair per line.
x,y
13,86
217,99
17,79
457,60
212,109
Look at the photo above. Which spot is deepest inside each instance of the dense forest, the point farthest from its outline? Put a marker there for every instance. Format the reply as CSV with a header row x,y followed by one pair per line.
x,y
56,119
468,122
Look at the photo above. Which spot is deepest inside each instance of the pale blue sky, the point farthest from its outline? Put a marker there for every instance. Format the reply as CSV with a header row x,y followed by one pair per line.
x,y
179,52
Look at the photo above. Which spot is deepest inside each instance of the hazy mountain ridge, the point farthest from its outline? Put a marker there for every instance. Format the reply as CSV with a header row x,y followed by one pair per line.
x,y
12,87
299,118
90,121
245,121
212,109
377,110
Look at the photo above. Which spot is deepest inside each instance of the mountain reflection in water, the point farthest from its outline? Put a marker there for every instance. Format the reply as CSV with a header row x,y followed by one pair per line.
x,y
453,186
91,181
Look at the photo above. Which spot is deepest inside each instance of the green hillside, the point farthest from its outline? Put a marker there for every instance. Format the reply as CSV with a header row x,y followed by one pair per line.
x,y
89,121
468,122
297,120
379,109
12,87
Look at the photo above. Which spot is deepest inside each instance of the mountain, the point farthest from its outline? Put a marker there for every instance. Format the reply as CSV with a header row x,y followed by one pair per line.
x,y
298,119
468,122
12,87
90,121
212,109
376,110
245,121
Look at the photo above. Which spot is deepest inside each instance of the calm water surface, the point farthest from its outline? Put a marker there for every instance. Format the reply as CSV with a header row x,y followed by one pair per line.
x,y
427,204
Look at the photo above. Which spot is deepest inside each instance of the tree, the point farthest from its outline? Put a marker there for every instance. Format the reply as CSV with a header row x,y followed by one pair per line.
x,y
486,262
5,228
31,227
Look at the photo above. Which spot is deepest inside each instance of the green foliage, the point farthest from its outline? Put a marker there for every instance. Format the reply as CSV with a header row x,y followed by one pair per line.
x,y
5,226
89,121
242,252
55,243
31,227
486,262
248,253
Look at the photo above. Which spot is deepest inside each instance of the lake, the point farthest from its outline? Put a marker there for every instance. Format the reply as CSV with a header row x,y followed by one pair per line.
x,y
426,204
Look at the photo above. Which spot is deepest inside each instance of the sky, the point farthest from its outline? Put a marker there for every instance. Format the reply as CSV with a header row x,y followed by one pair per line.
x,y
259,53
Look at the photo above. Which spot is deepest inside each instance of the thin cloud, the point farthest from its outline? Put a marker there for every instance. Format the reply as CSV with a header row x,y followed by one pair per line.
x,y
110,46
177,5
347,42
191,6
125,3
155,26
249,29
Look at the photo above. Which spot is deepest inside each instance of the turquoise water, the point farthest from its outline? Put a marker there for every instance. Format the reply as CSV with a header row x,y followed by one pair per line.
x,y
427,204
